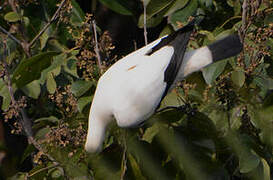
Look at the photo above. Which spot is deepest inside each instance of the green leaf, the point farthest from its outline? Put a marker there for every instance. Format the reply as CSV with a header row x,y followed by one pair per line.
x,y
157,6
80,87
181,16
167,30
169,116
41,134
264,82
19,176
119,6
4,92
209,34
52,119
57,173
146,2
178,4
30,69
51,83
211,72
43,39
171,100
155,12
207,3
27,152
71,67
248,162
77,14
84,101
266,170
32,89
26,21
238,78
54,68
12,17
150,133
151,21
135,167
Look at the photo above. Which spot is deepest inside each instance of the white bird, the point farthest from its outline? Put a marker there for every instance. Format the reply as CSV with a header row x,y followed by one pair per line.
x,y
132,89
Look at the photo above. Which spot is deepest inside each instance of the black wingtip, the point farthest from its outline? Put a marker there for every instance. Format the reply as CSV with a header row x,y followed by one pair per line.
x,y
226,47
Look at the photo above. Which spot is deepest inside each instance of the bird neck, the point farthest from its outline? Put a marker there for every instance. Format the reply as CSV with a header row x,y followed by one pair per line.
x,y
96,133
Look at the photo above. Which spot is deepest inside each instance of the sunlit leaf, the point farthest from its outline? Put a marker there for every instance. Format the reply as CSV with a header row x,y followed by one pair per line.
x,y
43,39
51,83
26,21
12,17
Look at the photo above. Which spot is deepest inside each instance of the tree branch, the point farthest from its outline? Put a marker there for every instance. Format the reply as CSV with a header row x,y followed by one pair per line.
x,y
54,17
144,23
244,20
42,169
10,35
97,51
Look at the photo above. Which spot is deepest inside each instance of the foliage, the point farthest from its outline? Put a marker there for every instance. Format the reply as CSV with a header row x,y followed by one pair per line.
x,y
222,128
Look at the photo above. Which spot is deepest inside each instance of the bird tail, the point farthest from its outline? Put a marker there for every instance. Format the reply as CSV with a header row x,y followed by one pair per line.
x,y
226,47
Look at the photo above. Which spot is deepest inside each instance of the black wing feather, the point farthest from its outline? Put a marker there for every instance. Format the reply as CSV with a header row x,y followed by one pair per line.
x,y
179,41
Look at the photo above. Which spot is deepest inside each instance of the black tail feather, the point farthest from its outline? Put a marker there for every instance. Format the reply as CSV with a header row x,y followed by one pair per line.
x,y
226,47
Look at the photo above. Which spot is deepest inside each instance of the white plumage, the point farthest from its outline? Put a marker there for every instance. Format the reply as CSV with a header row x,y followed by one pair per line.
x,y
131,90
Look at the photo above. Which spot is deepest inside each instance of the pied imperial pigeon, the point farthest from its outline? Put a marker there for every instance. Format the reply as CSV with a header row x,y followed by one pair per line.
x,y
131,90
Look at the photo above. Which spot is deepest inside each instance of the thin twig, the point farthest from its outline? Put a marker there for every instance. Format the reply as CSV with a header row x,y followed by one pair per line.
x,y
10,35
230,19
54,17
144,23
43,169
97,51
244,20
12,5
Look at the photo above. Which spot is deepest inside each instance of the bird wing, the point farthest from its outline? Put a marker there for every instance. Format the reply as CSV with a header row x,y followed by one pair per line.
x,y
179,41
